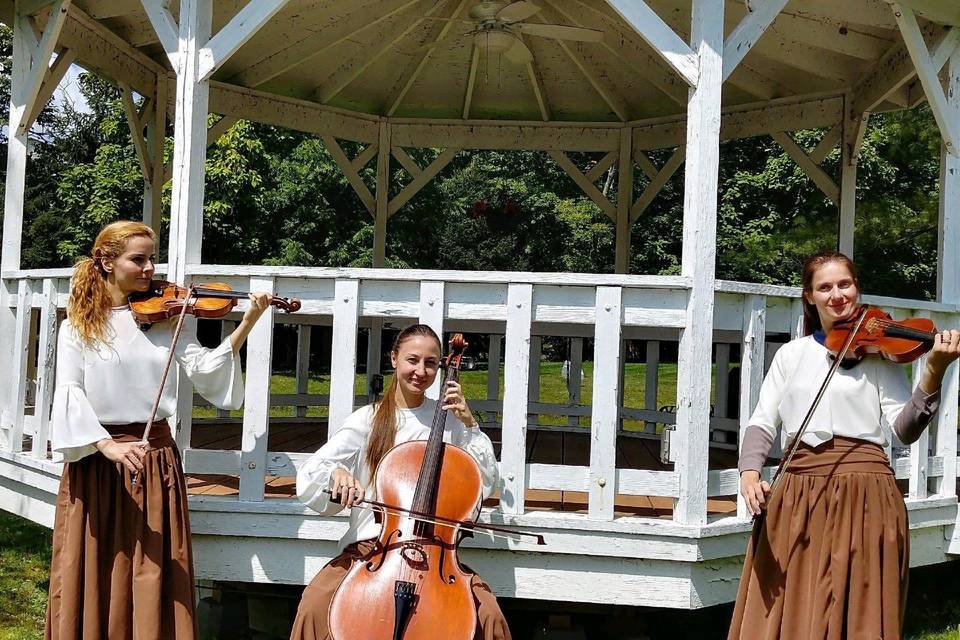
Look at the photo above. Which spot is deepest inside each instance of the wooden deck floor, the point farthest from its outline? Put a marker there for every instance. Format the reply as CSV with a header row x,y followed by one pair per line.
x,y
543,446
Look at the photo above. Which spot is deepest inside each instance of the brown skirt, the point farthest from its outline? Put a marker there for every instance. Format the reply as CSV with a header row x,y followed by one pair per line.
x,y
122,563
311,620
831,559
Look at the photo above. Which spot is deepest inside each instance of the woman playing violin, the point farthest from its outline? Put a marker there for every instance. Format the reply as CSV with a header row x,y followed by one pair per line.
x,y
344,467
122,565
831,558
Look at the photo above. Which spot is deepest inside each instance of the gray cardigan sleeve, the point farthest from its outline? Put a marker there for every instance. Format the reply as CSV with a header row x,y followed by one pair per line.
x,y
916,415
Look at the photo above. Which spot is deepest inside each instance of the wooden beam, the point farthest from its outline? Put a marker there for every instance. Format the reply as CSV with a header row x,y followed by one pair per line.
x,y
382,213
827,144
438,32
421,180
602,165
103,9
32,7
359,186
351,68
323,38
235,33
363,158
746,34
594,76
51,80
39,63
659,35
220,127
657,183
156,142
935,10
471,81
643,161
624,200
928,75
406,162
536,83
136,131
820,178
586,186
165,27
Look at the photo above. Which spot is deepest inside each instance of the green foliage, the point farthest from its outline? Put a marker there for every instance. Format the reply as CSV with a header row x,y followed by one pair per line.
x,y
24,562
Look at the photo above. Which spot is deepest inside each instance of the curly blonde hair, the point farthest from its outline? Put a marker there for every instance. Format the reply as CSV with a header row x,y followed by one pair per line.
x,y
89,305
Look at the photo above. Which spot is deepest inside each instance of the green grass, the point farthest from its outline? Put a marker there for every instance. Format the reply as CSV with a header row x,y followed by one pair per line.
x,y
24,563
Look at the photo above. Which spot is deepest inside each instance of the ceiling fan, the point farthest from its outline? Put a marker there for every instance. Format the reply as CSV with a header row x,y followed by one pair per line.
x,y
497,27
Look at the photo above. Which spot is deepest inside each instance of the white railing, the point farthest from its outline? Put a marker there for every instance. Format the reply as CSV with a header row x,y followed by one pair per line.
x,y
522,308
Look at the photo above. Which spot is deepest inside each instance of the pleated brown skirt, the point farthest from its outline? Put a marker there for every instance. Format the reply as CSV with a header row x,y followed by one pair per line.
x,y
122,565
311,622
831,559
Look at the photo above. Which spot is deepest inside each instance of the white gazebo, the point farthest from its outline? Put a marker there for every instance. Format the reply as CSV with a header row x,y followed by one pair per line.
x,y
617,78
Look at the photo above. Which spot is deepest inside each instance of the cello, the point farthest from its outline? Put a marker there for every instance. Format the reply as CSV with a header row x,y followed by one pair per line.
x,y
411,586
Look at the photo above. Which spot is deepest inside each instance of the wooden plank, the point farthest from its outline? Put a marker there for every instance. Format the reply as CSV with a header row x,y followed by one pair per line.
x,y
343,363
606,408
256,413
746,34
235,34
602,166
136,131
920,449
421,180
51,80
21,347
350,173
819,177
47,351
624,200
189,140
658,183
302,377
408,163
431,314
661,38
575,377
581,180
698,263
751,368
471,81
516,386
166,27
382,213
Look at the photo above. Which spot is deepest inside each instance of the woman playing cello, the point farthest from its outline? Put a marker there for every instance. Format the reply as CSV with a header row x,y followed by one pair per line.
x,y
344,469
122,565
831,559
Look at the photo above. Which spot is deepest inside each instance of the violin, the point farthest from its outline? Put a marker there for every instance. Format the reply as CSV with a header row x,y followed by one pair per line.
x,y
165,300
900,341
411,586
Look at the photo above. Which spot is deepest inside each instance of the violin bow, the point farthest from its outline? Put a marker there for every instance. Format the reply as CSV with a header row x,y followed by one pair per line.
x,y
166,371
795,442
373,505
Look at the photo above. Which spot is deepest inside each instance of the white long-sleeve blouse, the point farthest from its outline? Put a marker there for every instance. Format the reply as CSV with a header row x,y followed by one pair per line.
x,y
347,449
116,382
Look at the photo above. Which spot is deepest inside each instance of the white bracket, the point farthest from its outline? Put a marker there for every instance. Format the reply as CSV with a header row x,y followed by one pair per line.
x,y
36,60
658,34
584,183
235,33
748,32
809,167
158,11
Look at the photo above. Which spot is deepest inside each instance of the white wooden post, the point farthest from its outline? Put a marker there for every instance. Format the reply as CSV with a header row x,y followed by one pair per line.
x,y
183,416
189,140
18,364
226,328
919,450
382,211
516,382
624,201
606,407
431,314
574,378
493,367
651,382
256,413
751,368
699,258
723,380
303,366
374,347
46,362
854,127
343,354
533,392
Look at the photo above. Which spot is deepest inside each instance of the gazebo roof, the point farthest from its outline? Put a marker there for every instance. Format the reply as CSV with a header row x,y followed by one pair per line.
x,y
406,59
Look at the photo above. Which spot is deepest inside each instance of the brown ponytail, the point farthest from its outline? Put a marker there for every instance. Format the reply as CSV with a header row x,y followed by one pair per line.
x,y
89,306
384,431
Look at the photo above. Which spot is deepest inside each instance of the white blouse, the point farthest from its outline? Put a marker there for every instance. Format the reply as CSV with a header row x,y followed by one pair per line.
x,y
347,450
860,402
117,382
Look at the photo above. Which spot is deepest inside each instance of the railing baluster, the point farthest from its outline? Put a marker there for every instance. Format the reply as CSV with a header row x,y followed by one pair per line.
x,y
21,348
516,382
343,354
431,314
256,414
606,411
47,350
751,367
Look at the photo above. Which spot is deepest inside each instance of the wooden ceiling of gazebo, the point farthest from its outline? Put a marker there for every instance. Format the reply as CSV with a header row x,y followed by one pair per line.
x,y
426,59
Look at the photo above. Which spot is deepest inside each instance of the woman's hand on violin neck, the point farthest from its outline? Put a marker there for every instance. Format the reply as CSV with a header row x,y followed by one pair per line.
x,y
129,454
345,489
946,349
754,491
259,302
454,400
